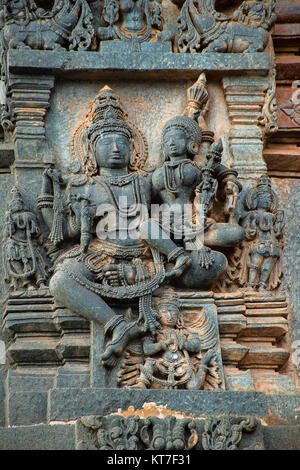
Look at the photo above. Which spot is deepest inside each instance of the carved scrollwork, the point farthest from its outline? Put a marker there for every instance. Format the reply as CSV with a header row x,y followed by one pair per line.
x,y
116,432
224,434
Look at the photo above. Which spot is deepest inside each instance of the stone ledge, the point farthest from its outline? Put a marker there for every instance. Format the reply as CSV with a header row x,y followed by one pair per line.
x,y
66,404
162,65
38,437
63,437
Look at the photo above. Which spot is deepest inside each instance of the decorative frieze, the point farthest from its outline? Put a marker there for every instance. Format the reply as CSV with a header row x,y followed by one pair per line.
x,y
116,432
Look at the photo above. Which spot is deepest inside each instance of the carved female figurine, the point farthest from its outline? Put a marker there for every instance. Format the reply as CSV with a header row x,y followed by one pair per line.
x,y
24,264
178,183
181,355
263,224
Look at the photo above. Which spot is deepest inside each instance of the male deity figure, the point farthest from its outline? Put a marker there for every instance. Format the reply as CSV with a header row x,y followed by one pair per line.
x,y
133,21
91,270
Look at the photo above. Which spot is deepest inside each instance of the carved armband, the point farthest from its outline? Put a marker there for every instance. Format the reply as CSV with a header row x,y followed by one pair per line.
x,y
45,201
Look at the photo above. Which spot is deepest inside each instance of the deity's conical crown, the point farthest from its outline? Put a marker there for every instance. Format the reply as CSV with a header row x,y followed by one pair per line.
x,y
264,182
167,296
107,115
16,199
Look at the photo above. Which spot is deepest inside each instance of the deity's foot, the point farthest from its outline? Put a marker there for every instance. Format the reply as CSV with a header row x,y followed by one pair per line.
x,y
182,263
122,334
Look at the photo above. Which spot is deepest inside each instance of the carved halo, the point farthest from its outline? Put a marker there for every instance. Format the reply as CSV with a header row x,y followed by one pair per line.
x,y
80,144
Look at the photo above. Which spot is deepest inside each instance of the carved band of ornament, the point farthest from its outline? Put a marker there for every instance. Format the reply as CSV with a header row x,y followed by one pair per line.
x,y
115,432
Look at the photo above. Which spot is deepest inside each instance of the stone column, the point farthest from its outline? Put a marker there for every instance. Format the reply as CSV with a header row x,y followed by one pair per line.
x,y
30,100
30,96
246,99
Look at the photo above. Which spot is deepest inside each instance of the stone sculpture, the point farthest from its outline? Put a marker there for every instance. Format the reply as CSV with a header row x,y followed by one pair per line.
x,y
263,223
181,355
116,432
132,22
67,26
256,263
24,263
122,267
202,28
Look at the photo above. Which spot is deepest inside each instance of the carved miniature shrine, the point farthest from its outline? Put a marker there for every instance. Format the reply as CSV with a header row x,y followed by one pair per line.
x,y
149,267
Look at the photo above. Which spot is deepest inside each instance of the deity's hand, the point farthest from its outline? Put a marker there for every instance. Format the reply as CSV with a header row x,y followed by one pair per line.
x,y
165,342
206,259
47,187
54,175
110,274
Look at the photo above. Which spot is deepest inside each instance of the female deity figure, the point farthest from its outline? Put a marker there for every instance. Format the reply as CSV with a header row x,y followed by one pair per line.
x,y
24,263
178,183
263,224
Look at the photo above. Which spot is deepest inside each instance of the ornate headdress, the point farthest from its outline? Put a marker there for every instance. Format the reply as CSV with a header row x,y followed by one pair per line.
x,y
106,114
15,200
186,123
262,188
166,296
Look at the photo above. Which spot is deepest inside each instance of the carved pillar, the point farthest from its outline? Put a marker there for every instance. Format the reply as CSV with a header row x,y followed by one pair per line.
x,y
246,100
30,100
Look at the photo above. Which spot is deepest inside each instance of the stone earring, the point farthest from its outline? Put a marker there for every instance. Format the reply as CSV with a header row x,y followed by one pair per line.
x,y
192,148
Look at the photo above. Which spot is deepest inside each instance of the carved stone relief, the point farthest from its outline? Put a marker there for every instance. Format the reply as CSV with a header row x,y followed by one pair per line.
x,y
256,264
116,432
24,261
105,293
133,23
202,28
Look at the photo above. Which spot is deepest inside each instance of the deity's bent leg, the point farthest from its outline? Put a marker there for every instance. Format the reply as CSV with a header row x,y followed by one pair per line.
x,y
91,306
187,269
78,298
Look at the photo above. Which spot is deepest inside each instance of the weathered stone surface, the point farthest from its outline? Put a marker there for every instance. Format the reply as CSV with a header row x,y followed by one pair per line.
x,y
3,372
61,363
98,64
26,408
281,437
71,404
40,437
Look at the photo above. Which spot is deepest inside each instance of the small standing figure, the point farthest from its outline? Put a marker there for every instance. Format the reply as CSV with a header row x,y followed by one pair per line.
x,y
263,224
182,355
24,264
132,21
